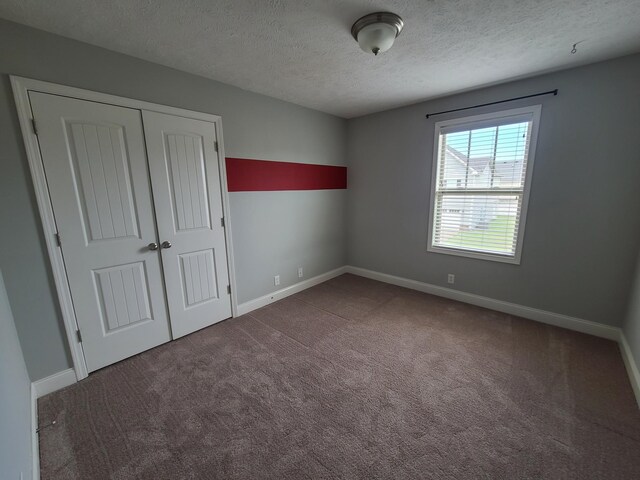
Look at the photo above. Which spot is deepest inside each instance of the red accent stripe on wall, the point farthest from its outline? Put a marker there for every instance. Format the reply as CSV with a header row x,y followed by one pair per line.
x,y
244,175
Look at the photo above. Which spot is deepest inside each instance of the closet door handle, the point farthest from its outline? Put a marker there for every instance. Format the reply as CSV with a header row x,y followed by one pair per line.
x,y
152,246
166,244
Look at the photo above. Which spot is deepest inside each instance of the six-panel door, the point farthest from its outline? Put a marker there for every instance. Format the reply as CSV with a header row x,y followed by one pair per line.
x,y
97,172
185,175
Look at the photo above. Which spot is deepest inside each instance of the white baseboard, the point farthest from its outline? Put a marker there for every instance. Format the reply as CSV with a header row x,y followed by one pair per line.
x,y
557,319
35,446
632,366
40,388
54,382
260,302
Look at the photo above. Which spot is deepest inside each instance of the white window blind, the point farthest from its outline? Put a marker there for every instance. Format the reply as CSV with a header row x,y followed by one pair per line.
x,y
480,185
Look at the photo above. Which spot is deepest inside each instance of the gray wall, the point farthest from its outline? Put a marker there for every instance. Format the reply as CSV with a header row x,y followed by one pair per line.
x,y
631,325
583,226
273,232
15,399
314,223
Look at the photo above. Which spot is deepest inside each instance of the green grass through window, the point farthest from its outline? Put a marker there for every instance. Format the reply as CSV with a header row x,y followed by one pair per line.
x,y
496,237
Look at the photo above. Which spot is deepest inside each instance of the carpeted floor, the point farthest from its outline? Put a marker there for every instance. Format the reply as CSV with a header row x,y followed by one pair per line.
x,y
353,379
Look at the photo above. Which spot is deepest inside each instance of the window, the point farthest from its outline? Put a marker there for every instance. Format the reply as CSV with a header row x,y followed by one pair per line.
x,y
480,184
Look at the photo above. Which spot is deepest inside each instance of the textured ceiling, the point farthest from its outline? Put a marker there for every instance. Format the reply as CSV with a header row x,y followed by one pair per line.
x,y
302,50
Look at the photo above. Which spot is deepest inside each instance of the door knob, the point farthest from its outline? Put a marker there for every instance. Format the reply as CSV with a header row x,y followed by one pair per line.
x,y
166,244
152,246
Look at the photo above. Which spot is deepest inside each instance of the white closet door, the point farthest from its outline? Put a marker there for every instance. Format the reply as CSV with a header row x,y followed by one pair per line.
x,y
185,175
96,166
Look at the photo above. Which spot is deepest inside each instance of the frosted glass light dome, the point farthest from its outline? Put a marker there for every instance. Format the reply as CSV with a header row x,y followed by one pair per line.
x,y
376,32
376,38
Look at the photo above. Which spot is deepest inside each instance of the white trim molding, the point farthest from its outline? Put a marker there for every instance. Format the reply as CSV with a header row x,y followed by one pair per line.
x,y
226,209
529,113
40,388
35,444
260,302
632,366
54,382
21,95
543,316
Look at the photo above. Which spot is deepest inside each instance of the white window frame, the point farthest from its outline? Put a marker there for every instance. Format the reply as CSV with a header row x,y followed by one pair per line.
x,y
487,119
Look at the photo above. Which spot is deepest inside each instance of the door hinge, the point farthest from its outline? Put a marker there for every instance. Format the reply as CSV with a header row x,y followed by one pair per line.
x,y
229,289
33,126
79,335
215,145
222,222
58,240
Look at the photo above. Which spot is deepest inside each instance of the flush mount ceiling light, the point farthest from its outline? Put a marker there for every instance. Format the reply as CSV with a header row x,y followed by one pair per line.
x,y
376,32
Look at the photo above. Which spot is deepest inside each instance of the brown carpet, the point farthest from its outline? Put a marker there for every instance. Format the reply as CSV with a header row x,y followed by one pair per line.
x,y
353,379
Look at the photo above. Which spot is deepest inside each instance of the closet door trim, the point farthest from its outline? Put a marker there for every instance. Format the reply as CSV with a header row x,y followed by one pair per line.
x,y
21,88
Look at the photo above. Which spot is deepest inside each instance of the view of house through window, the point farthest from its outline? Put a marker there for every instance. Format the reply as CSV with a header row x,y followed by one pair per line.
x,y
480,184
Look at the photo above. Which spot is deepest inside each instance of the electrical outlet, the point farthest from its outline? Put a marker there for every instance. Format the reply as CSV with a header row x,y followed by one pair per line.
x,y
451,278
300,272
276,280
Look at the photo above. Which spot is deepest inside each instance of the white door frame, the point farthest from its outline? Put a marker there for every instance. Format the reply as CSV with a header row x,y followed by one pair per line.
x,y
21,87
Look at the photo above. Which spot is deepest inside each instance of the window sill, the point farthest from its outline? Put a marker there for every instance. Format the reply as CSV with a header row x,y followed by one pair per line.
x,y
515,260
